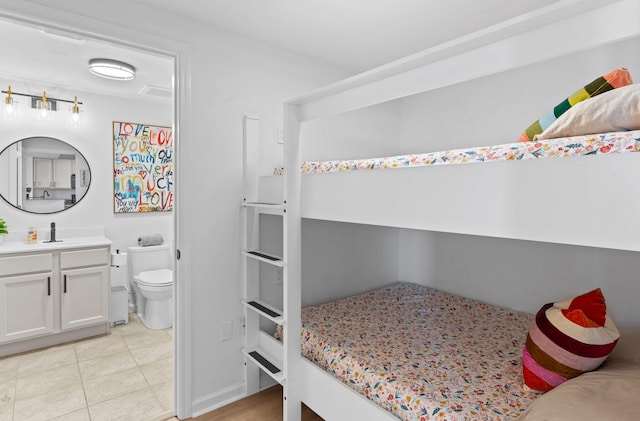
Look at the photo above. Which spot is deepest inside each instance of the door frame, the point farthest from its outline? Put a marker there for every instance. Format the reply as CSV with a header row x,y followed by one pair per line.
x,y
51,18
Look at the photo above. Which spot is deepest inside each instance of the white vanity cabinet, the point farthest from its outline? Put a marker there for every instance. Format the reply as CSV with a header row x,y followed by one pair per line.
x,y
51,297
84,298
26,296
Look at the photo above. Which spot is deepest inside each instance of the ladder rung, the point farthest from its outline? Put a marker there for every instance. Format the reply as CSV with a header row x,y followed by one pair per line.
x,y
262,205
266,363
264,309
265,257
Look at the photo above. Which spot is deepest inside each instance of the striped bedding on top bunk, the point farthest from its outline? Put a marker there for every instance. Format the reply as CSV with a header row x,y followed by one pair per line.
x,y
595,144
423,354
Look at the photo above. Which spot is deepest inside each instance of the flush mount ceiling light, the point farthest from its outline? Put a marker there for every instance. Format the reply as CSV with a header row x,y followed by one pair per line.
x,y
112,69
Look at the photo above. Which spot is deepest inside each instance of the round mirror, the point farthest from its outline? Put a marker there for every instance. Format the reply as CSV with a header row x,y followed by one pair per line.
x,y
43,175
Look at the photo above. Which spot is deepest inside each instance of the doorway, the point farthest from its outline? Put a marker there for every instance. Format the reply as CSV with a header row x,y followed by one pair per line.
x,y
113,37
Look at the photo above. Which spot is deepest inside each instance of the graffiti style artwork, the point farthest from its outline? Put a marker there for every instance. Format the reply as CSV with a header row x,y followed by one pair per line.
x,y
142,168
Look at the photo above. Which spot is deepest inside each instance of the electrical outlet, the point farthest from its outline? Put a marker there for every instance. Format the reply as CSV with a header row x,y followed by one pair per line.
x,y
279,276
226,330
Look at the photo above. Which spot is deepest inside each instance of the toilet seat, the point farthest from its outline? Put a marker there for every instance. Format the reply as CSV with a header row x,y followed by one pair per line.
x,y
156,278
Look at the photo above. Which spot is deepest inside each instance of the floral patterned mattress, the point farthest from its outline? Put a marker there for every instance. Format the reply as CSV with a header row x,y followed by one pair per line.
x,y
596,144
423,354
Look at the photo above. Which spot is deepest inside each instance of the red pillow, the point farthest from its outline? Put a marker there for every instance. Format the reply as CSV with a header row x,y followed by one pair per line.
x,y
566,339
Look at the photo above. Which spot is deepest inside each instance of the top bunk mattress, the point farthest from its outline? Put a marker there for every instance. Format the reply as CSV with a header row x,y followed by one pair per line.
x,y
594,144
421,353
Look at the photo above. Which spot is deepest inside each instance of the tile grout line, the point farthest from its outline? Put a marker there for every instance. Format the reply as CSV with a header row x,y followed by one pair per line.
x,y
84,391
83,379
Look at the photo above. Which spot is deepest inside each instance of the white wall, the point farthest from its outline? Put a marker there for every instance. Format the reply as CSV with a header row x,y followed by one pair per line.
x,y
496,109
363,133
521,275
94,140
338,259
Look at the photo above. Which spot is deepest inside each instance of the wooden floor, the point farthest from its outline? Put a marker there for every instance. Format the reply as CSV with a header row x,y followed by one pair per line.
x,y
263,406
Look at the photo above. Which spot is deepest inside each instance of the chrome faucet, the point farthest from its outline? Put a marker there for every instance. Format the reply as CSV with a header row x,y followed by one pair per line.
x,y
45,192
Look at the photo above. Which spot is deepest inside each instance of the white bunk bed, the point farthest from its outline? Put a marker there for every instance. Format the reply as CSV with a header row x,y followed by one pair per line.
x,y
497,212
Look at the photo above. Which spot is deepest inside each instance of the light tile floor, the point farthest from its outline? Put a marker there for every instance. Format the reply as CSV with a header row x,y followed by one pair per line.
x,y
125,375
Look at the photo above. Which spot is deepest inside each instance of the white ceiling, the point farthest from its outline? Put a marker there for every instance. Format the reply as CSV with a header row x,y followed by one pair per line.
x,y
357,34
354,34
58,63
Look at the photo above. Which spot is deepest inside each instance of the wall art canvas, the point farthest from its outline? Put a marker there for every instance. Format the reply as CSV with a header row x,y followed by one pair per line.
x,y
142,168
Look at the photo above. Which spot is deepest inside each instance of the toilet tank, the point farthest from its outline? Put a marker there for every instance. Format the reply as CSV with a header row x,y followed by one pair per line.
x,y
142,259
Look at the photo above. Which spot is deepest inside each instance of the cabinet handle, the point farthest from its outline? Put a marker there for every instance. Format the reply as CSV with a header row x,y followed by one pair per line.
x,y
48,285
65,284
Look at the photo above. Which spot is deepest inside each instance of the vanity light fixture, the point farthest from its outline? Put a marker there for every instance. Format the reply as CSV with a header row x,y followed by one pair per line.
x,y
43,104
112,69
44,107
76,117
10,110
9,105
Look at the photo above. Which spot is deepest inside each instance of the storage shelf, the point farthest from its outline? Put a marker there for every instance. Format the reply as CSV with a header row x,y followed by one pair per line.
x,y
265,310
267,363
264,257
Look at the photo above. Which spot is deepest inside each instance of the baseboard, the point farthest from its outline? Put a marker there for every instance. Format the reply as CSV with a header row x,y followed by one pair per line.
x,y
217,399
51,339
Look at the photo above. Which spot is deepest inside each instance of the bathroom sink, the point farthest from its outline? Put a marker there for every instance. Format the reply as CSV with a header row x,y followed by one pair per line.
x,y
67,241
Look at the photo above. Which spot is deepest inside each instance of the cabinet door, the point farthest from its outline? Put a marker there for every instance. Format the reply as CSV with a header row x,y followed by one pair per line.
x,y
62,170
84,297
42,172
27,306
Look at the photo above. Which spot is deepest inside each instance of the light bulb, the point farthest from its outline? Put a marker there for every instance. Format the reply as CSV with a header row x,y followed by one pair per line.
x,y
9,104
76,117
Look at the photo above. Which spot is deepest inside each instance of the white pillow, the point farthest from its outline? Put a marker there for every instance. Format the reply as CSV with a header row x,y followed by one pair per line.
x,y
628,347
613,111
609,393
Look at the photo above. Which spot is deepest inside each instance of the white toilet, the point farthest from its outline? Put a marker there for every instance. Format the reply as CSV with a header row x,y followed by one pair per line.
x,y
152,282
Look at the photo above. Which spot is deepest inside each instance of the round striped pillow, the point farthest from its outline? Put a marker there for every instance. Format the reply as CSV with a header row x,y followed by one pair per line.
x,y
566,339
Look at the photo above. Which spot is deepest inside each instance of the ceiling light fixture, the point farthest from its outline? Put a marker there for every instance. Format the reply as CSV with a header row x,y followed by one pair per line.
x,y
112,69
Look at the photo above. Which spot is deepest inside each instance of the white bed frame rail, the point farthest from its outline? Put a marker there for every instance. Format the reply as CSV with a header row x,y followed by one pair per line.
x,y
501,210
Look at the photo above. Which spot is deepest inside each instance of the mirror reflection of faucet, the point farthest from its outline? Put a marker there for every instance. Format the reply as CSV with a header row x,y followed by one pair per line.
x,y
52,235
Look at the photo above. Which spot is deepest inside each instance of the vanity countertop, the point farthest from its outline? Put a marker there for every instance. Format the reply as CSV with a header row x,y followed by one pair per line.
x,y
10,247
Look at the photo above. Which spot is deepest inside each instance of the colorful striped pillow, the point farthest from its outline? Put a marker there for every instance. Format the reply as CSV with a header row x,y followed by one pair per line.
x,y
566,339
615,79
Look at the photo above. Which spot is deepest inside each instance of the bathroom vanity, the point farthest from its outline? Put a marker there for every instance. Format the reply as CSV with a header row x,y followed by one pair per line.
x,y
52,293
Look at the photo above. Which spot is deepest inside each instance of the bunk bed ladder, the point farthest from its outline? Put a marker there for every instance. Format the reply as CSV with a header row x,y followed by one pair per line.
x,y
263,353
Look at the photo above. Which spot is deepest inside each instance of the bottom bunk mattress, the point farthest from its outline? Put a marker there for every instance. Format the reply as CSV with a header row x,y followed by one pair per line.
x,y
423,354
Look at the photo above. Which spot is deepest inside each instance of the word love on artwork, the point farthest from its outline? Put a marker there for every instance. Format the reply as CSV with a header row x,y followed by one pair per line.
x,y
142,168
